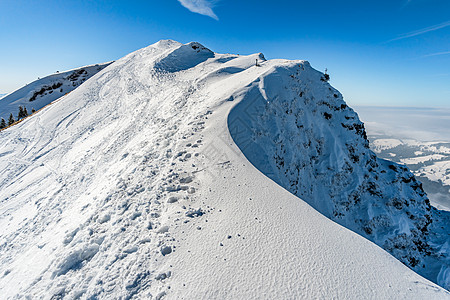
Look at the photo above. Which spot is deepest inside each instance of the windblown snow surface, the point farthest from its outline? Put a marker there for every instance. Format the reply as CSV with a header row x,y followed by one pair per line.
x,y
45,90
140,184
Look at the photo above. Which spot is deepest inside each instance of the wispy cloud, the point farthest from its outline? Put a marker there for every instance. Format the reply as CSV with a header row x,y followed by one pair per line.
x,y
421,31
203,7
437,53
407,2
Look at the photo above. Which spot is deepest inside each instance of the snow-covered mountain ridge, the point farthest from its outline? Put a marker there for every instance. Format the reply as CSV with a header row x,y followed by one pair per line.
x,y
43,91
132,187
304,137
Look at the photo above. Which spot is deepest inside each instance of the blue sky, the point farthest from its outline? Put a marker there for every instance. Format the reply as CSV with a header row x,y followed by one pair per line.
x,y
385,52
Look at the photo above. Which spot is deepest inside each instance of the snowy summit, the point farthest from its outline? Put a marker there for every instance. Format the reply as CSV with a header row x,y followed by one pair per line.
x,y
180,173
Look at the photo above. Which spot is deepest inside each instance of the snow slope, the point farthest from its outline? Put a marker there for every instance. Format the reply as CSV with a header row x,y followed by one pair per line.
x,y
45,90
298,130
132,187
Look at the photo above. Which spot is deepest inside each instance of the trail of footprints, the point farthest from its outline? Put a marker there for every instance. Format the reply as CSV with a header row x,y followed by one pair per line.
x,y
177,192
131,231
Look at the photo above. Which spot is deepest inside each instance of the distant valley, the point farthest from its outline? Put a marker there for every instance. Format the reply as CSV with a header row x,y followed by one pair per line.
x,y
417,138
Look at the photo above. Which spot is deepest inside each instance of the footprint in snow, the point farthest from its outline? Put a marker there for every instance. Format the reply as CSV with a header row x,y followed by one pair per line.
x,y
166,250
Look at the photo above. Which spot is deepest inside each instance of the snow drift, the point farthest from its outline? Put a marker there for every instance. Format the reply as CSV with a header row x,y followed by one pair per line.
x,y
133,187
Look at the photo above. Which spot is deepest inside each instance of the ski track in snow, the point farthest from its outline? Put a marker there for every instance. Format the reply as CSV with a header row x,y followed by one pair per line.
x,y
132,187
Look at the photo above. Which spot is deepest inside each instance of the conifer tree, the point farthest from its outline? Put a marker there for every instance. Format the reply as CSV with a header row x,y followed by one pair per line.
x,y
20,115
2,123
33,110
25,112
11,120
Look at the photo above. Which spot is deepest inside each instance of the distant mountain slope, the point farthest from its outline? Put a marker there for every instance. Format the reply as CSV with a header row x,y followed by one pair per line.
x,y
43,91
418,138
132,187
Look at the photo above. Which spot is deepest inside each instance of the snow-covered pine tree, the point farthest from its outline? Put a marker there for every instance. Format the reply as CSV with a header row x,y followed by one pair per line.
x,y
11,119
2,123
20,115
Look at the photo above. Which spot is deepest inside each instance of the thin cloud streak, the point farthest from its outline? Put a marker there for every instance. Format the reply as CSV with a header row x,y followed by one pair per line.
x,y
436,54
421,31
203,7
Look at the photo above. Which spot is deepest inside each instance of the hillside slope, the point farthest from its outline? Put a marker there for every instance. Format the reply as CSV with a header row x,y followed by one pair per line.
x,y
45,90
132,187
